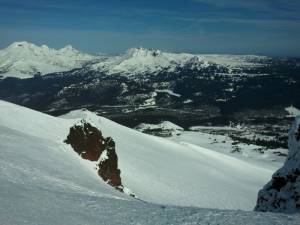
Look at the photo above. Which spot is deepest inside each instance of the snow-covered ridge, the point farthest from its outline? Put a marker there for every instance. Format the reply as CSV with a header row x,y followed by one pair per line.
x,y
140,60
165,125
24,60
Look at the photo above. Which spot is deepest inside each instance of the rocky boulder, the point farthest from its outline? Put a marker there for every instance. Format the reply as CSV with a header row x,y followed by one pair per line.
x,y
90,144
282,193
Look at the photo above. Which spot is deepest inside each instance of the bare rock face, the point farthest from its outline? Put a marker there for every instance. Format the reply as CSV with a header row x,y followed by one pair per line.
x,y
89,143
282,193
109,164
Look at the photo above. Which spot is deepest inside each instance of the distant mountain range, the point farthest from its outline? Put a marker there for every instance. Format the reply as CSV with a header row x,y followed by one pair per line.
x,y
24,60
222,120
151,86
139,61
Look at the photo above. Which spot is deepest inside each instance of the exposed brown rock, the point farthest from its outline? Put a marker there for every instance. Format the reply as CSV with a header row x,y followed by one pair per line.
x,y
89,143
109,168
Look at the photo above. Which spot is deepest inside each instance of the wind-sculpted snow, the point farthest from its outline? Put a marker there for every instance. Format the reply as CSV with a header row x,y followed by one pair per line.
x,y
282,193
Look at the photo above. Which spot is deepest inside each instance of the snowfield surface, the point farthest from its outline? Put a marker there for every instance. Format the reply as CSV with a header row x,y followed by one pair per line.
x,y
165,172
43,181
224,144
24,60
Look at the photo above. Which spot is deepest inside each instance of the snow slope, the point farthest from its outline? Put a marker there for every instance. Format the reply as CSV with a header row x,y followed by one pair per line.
x,y
138,61
162,171
24,60
155,169
226,145
42,181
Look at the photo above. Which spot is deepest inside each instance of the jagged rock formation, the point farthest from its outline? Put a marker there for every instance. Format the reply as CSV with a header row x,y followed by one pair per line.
x,y
108,167
282,193
89,143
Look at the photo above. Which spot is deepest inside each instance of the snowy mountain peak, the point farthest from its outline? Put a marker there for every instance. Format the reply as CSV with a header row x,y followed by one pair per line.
x,y
143,52
30,46
21,44
45,47
69,48
137,61
24,59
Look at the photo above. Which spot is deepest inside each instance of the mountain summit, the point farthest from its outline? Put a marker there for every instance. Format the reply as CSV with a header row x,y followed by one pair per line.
x,y
140,61
24,59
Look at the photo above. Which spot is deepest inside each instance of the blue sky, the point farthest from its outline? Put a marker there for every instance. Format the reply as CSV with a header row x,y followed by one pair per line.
x,y
268,27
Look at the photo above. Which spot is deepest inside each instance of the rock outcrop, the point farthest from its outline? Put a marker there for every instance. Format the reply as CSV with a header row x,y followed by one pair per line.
x,y
282,193
89,143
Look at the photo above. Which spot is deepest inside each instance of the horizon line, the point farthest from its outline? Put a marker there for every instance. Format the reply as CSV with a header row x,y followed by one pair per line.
x,y
121,52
